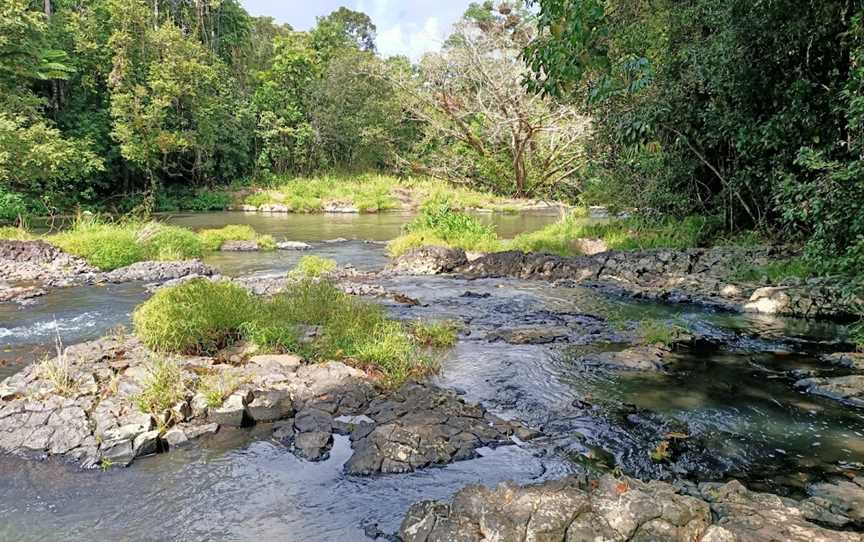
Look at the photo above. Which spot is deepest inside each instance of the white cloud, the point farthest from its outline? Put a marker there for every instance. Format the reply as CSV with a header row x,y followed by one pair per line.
x,y
405,27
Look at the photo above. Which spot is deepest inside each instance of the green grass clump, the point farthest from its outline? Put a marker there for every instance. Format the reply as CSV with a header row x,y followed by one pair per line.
x,y
367,193
102,245
213,239
436,333
163,388
57,371
312,267
778,271
619,234
218,386
198,316
438,224
110,246
660,332
168,243
14,233
353,330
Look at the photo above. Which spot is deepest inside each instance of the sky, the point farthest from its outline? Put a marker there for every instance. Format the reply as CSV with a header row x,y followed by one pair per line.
x,y
405,27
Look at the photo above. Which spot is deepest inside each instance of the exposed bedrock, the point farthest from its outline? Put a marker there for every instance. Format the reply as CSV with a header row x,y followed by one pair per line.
x,y
625,509
700,276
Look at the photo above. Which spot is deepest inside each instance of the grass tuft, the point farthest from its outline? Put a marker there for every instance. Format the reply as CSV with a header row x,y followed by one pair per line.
x,y
436,333
438,224
213,239
218,386
164,387
197,316
313,267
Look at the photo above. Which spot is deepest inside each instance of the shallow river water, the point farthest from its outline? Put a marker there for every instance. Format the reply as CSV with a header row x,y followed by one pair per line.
x,y
735,403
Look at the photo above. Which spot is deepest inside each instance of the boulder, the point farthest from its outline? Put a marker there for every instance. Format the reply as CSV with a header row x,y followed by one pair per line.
x,y
269,406
232,413
293,245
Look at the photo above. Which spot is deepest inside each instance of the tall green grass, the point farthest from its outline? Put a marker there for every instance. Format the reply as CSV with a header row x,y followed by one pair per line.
x,y
438,224
213,239
371,193
201,316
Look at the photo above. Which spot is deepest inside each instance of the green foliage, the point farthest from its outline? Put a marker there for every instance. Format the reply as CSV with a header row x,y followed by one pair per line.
x,y
110,246
163,387
436,333
13,233
776,272
313,267
198,316
219,386
213,239
660,332
750,111
438,224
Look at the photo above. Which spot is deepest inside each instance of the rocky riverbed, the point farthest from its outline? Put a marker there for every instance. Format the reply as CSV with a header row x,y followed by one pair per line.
x,y
697,276
583,385
624,509
85,406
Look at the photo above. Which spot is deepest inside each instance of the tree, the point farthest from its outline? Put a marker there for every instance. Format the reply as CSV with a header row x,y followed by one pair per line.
x,y
481,124
351,28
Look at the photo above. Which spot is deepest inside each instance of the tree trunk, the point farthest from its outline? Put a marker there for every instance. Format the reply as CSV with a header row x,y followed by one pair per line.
x,y
55,85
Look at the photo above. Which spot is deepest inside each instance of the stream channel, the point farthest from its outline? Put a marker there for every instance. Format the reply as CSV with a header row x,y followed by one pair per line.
x,y
732,399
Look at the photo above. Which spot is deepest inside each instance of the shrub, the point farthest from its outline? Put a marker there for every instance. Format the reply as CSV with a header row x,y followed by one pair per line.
x,y
312,267
163,388
197,316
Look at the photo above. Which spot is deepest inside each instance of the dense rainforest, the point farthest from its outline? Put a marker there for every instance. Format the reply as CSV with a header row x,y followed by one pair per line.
x,y
748,113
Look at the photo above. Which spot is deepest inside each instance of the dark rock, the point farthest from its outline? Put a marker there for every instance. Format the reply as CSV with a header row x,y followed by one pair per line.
x,y
848,389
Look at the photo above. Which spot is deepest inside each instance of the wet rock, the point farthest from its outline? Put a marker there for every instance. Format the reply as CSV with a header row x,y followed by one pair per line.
x,y
850,360
293,245
313,445
19,294
429,261
419,426
843,500
199,430
175,437
38,260
848,389
146,443
638,358
239,246
530,335
153,272
232,413
270,406
561,511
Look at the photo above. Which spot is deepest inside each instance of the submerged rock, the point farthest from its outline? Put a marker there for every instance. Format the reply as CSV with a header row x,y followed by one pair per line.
x,y
848,389
615,509
531,335
421,425
637,358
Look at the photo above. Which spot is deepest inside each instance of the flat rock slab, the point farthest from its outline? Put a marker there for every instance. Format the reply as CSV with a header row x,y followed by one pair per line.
x,y
615,509
637,358
847,389
531,335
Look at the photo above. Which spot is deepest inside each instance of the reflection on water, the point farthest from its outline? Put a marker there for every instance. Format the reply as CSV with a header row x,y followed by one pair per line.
x,y
373,227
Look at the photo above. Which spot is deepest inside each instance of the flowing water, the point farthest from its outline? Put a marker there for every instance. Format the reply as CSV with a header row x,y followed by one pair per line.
x,y
731,407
